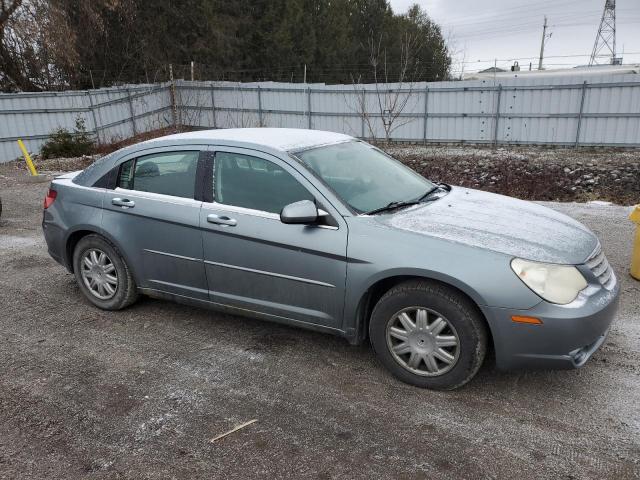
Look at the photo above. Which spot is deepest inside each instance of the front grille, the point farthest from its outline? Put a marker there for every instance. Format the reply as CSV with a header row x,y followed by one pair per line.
x,y
600,267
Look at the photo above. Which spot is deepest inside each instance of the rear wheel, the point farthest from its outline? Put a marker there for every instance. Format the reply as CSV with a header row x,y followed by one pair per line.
x,y
102,274
428,335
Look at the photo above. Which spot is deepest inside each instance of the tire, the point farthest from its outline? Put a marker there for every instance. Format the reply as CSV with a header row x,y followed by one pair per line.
x,y
431,355
115,296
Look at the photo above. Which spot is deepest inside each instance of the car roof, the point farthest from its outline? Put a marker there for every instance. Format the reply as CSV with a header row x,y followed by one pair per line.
x,y
282,139
269,140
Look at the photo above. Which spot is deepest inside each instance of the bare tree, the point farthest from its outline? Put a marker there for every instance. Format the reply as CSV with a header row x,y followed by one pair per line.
x,y
458,55
6,10
39,45
36,45
9,71
389,102
240,117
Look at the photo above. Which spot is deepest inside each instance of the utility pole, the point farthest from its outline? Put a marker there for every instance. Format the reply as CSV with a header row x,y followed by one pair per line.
x,y
544,35
192,70
606,36
305,74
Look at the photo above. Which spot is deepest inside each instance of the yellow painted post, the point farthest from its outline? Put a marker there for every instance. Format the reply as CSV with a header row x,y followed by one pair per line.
x,y
635,255
27,158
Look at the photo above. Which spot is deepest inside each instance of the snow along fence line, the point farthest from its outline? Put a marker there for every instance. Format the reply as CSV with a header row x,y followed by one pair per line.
x,y
568,110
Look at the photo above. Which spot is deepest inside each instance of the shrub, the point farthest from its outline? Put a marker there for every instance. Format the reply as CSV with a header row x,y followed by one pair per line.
x,y
62,143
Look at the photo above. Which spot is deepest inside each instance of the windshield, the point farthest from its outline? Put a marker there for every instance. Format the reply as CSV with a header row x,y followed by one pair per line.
x,y
363,176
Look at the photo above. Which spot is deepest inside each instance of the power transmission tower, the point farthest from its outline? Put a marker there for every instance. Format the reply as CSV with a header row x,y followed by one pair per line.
x,y
606,36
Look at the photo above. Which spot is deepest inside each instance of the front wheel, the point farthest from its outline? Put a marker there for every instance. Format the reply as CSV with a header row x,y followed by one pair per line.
x,y
428,335
102,274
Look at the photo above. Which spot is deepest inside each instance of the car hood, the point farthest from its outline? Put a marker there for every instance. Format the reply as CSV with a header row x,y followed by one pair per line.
x,y
499,223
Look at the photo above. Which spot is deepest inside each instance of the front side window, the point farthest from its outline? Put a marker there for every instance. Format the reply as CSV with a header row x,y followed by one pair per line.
x,y
255,183
363,176
171,173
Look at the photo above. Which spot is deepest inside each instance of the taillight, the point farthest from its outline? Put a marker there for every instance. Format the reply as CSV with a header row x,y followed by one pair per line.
x,y
51,196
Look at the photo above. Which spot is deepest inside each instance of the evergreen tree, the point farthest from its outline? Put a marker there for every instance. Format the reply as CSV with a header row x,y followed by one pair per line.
x,y
104,42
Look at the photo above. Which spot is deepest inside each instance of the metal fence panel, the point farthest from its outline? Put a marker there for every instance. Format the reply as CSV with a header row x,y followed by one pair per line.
x,y
558,109
107,114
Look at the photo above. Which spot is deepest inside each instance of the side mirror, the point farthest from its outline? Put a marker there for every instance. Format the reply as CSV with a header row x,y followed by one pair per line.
x,y
302,212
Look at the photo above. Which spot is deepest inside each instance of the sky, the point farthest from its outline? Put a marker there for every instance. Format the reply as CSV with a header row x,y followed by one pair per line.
x,y
479,32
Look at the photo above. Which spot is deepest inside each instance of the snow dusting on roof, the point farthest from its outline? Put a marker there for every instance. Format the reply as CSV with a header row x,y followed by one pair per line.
x,y
284,139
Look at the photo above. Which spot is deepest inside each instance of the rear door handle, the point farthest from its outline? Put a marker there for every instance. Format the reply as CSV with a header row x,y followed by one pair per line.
x,y
221,220
123,202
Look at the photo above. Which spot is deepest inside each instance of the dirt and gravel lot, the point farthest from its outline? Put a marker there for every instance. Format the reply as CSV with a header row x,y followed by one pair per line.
x,y
531,173
139,393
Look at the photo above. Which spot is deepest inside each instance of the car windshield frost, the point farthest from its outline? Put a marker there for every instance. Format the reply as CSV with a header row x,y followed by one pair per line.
x,y
363,176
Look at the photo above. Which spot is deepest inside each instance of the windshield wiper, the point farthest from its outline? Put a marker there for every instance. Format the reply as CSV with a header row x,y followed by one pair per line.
x,y
429,192
406,203
437,186
393,205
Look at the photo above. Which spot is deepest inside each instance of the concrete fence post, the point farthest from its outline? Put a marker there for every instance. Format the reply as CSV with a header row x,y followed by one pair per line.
x,y
180,104
308,106
96,128
132,113
497,116
260,122
213,106
364,111
426,113
172,98
579,126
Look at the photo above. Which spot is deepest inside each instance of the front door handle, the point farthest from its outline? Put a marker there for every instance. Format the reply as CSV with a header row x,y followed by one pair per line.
x,y
123,202
221,220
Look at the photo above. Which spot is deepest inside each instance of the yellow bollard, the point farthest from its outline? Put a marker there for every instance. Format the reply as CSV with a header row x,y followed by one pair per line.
x,y
27,158
635,255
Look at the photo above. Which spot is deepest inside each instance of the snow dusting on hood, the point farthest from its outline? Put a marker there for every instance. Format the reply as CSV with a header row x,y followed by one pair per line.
x,y
499,223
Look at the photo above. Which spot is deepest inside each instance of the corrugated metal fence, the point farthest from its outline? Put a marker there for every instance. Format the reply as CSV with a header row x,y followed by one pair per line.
x,y
602,110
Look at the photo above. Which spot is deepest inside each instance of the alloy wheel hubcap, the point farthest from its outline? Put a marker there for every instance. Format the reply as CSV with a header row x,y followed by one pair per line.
x,y
423,341
99,274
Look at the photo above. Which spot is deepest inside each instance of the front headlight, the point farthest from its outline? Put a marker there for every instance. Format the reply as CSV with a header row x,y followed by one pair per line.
x,y
555,283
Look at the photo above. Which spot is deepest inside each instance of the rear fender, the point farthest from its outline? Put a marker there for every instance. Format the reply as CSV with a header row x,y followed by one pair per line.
x,y
73,237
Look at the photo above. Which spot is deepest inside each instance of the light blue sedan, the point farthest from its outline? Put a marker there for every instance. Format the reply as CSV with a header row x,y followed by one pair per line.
x,y
323,231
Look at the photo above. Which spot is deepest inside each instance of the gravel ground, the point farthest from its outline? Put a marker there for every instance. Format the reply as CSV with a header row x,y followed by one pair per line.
x,y
531,173
139,393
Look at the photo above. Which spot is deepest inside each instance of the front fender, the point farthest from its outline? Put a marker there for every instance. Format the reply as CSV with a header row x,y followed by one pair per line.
x,y
422,273
376,253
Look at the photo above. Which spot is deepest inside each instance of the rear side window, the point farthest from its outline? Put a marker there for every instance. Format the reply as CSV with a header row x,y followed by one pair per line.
x,y
255,183
171,173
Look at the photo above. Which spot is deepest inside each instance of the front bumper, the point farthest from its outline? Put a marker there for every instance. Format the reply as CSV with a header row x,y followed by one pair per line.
x,y
567,338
